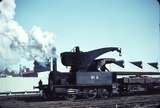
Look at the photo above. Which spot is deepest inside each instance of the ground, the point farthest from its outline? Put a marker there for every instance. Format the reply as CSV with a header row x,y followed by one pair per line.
x,y
138,101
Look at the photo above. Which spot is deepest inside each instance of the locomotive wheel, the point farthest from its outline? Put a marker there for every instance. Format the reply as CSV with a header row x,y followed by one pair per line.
x,y
71,97
92,93
45,95
104,93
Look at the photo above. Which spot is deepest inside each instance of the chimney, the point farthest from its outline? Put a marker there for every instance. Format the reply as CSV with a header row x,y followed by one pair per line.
x,y
53,64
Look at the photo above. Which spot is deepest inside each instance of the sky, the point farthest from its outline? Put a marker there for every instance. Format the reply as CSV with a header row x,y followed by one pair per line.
x,y
132,25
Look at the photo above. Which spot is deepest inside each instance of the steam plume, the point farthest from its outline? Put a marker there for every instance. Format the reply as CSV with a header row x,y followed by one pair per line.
x,y
19,46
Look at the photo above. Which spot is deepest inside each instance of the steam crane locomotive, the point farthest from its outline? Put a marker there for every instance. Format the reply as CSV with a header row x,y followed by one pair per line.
x,y
89,78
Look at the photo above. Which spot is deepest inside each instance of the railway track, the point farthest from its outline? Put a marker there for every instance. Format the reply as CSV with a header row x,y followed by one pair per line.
x,y
139,101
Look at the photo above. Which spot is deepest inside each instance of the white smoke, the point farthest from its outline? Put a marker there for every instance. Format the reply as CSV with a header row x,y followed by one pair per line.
x,y
18,46
7,9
